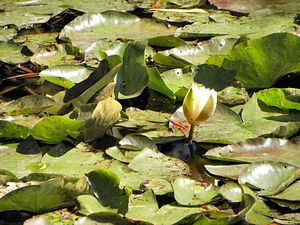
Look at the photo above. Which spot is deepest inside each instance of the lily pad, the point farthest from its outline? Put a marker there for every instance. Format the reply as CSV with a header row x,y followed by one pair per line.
x,y
11,53
270,177
154,163
137,142
188,54
89,28
232,192
30,104
150,123
289,194
88,205
144,207
132,77
49,195
227,171
11,130
53,56
17,163
54,129
285,98
189,192
72,162
65,75
121,154
7,34
105,184
245,6
278,52
245,26
258,150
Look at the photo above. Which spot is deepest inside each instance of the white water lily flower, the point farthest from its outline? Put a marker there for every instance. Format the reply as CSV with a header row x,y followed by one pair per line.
x,y
199,104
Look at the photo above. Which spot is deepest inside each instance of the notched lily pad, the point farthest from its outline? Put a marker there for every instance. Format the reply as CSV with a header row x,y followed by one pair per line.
x,y
189,192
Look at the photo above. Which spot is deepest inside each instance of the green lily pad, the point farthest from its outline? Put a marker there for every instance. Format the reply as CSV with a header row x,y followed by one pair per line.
x,y
132,77
157,83
7,34
247,6
166,41
289,194
257,212
270,177
150,123
54,129
258,150
65,75
88,205
120,154
73,162
137,142
105,184
53,56
11,53
144,208
245,26
285,98
46,196
154,163
189,192
102,49
105,115
17,163
89,28
278,52
232,192
11,130
137,181
31,104
82,92
188,54
227,171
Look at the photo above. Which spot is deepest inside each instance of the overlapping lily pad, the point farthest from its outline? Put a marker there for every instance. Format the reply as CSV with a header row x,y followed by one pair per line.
x,y
87,29
278,52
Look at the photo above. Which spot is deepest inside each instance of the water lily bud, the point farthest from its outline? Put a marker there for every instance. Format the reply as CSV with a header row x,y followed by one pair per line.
x,y
199,104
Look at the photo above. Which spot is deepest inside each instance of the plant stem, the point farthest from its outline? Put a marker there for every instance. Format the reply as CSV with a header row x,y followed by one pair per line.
x,y
191,133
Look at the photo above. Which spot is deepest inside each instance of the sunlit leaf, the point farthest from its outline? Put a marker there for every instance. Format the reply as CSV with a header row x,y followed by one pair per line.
x,y
105,185
54,129
87,29
65,75
191,193
278,52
